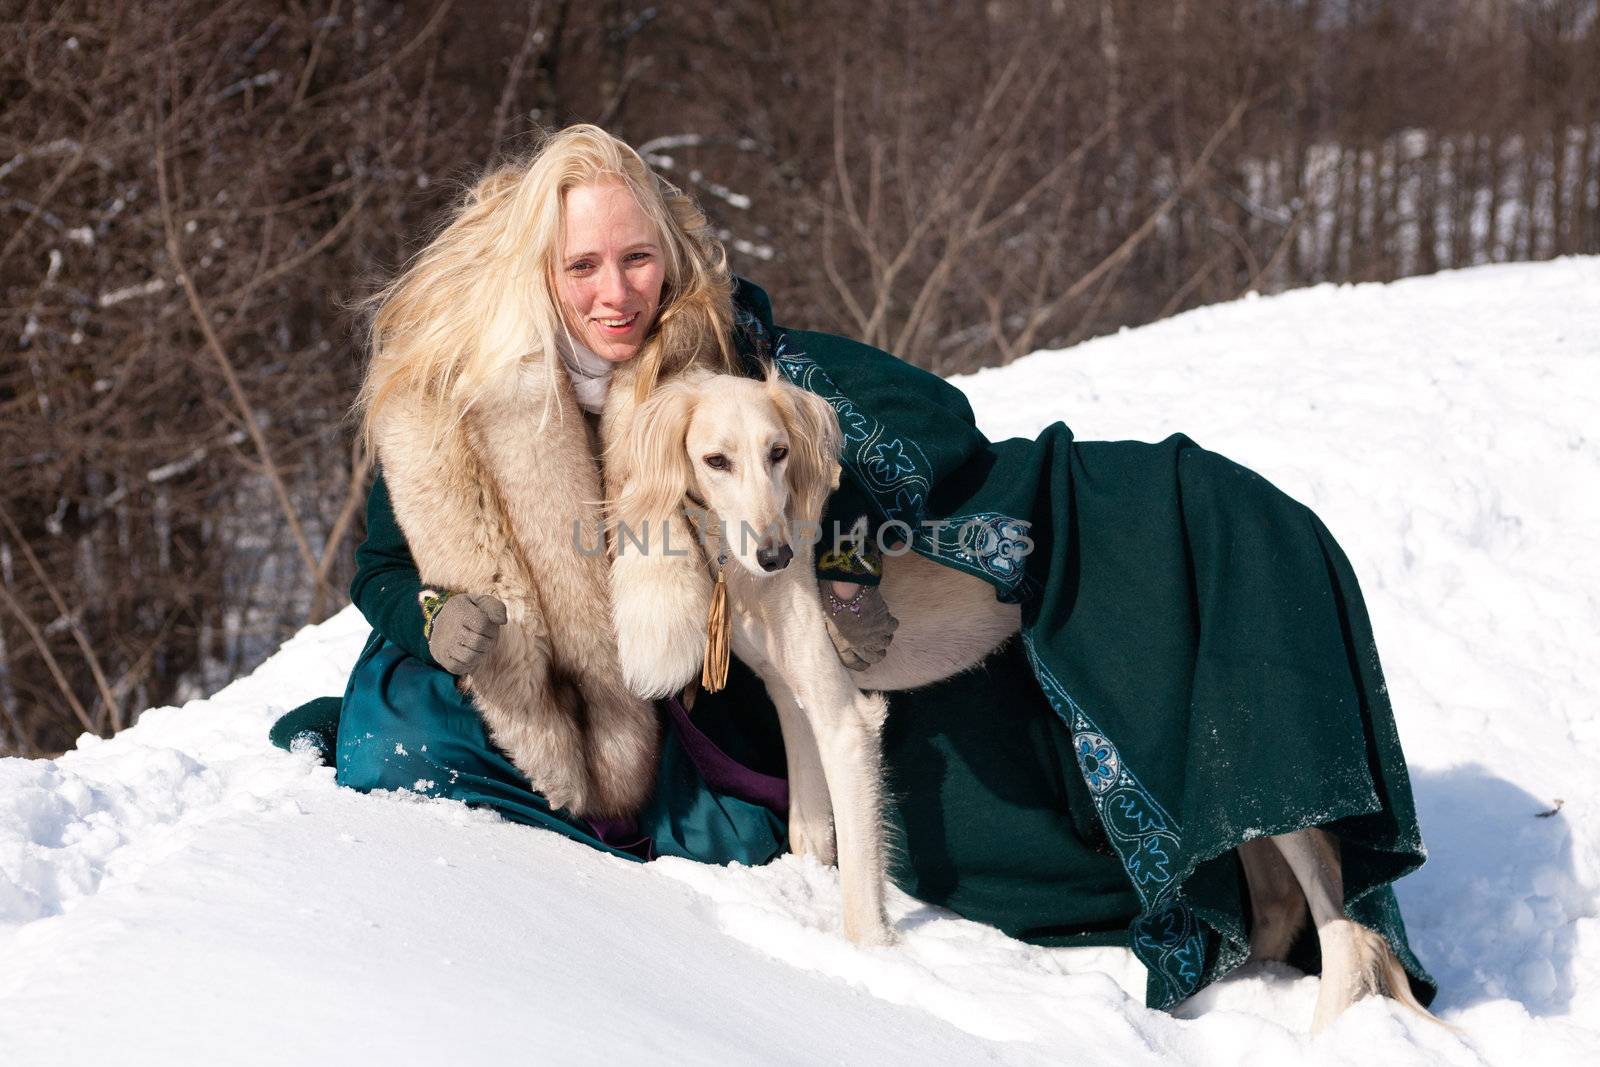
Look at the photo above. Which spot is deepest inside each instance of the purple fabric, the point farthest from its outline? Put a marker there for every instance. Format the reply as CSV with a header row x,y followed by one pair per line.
x,y
722,772
620,833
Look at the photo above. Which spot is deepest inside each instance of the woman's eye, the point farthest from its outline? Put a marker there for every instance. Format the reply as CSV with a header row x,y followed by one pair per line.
x,y
582,266
779,454
638,257
717,462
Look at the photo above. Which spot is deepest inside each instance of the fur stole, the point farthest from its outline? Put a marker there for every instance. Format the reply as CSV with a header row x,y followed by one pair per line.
x,y
491,503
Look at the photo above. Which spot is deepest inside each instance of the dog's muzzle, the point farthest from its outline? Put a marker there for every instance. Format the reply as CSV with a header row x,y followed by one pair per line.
x,y
774,559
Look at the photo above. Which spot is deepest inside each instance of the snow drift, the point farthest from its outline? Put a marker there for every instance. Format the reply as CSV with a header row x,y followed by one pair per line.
x,y
184,892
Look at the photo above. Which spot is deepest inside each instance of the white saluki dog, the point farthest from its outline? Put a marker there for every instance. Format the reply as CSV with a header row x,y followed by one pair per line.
x,y
756,460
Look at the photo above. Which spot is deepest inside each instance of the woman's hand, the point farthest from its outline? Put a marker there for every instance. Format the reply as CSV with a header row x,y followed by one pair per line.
x,y
461,628
858,622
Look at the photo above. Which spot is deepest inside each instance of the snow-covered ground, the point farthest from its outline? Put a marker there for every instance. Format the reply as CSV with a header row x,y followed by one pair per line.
x,y
183,892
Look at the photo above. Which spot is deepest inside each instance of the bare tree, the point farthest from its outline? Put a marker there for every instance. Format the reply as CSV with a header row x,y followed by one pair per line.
x,y
195,196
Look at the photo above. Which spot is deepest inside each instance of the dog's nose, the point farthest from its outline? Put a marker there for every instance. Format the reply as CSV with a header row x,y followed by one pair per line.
x,y
774,559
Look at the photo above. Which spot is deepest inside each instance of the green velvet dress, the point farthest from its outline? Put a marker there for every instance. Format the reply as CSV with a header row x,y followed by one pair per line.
x,y
1195,669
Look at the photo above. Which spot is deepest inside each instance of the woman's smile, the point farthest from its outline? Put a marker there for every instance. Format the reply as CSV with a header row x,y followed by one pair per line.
x,y
619,326
612,270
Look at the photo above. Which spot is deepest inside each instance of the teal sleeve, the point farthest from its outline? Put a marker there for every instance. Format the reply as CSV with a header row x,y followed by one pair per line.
x,y
912,446
386,584
894,416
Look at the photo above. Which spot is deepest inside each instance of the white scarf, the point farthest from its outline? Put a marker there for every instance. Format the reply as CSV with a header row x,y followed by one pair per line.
x,y
590,375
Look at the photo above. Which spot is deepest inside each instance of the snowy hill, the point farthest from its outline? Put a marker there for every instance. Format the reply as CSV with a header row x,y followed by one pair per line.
x,y
183,892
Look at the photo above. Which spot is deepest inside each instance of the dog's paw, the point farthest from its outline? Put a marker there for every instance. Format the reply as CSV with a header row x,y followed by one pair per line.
x,y
814,839
659,608
869,931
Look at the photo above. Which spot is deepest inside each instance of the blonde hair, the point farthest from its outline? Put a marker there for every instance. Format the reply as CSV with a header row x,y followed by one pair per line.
x,y
482,298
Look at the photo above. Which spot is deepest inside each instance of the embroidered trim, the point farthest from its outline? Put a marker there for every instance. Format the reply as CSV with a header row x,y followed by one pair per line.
x,y
987,543
1166,936
855,556
432,602
897,475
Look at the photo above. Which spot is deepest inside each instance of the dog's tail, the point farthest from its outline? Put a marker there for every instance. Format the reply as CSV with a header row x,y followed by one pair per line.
x,y
1381,972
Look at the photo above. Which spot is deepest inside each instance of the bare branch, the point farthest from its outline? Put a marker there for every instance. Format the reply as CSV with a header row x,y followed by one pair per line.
x,y
113,709
316,54
531,40
43,647
225,365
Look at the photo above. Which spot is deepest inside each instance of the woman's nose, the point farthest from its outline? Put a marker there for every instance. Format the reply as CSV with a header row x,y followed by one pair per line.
x,y
613,285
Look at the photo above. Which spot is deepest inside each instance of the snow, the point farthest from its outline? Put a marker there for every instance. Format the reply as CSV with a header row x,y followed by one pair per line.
x,y
183,891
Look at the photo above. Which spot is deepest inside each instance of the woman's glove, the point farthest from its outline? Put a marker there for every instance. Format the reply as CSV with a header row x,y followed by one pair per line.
x,y
461,628
861,626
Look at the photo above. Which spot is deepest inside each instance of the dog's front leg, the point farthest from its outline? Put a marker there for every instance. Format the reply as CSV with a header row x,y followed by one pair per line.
x,y
846,724
810,807
849,743
659,597
810,810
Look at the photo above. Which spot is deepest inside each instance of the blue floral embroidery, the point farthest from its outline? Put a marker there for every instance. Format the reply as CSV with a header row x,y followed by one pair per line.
x,y
852,423
1163,931
1098,761
1150,862
1190,960
1011,547
898,476
1132,815
889,461
907,506
1166,935
997,544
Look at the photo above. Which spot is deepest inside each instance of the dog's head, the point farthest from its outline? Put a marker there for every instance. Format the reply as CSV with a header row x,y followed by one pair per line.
x,y
761,455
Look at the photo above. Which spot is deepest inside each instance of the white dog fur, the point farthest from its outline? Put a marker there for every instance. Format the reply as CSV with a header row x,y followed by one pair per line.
x,y
779,445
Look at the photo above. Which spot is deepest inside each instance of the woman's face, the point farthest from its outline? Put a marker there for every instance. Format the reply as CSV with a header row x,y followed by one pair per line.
x,y
611,270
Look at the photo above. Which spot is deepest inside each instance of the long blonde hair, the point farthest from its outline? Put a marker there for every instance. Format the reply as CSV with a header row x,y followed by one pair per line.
x,y
482,298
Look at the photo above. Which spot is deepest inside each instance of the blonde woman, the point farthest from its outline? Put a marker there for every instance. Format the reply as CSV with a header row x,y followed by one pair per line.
x,y
485,353
1196,675
492,673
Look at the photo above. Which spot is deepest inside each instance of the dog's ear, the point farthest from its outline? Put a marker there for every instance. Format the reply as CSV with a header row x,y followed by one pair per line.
x,y
653,466
814,441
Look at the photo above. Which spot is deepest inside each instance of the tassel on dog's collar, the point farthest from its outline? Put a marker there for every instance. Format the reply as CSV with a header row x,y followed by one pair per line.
x,y
719,633
719,625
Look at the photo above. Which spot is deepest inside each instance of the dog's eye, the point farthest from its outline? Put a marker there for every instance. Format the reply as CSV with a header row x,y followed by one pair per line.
x,y
717,461
779,454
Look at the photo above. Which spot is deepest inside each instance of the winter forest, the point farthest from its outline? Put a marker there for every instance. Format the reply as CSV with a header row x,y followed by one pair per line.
x,y
196,198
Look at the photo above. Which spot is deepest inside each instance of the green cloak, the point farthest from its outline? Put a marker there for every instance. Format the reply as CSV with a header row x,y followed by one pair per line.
x,y
1199,634
1196,669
